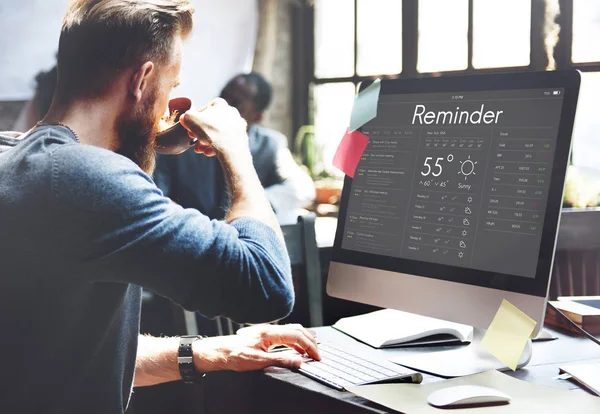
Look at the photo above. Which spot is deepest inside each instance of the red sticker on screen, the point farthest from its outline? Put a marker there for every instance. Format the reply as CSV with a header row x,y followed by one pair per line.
x,y
349,152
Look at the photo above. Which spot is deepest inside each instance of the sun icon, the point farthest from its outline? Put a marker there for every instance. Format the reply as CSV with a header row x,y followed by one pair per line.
x,y
467,167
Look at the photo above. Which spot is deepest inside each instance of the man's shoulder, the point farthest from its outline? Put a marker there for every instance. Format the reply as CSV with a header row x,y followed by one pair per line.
x,y
93,169
90,158
8,140
81,170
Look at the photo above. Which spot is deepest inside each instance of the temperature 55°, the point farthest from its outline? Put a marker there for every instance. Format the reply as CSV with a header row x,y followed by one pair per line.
x,y
434,168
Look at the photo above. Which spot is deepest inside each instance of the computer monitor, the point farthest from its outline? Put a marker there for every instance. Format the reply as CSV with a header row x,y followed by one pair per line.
x,y
456,202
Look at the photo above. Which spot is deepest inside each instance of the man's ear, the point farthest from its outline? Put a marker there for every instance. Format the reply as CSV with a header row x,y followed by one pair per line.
x,y
139,80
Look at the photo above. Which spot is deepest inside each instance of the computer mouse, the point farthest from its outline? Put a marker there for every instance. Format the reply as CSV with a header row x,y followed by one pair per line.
x,y
465,395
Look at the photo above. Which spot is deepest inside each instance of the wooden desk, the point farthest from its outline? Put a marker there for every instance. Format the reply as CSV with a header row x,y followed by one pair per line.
x,y
280,390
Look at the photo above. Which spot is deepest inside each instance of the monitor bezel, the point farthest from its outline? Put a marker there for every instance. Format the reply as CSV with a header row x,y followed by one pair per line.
x,y
538,286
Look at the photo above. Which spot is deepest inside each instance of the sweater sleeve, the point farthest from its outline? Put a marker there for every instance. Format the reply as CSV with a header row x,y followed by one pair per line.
x,y
120,228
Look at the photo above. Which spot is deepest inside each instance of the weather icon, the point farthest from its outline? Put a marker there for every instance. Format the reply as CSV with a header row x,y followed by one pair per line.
x,y
462,244
470,200
467,210
466,222
461,254
464,233
467,167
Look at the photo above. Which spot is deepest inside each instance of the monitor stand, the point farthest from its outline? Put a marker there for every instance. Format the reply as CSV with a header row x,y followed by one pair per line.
x,y
458,362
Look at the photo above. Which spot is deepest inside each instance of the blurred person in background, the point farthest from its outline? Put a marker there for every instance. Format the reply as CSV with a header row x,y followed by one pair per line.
x,y
36,108
198,182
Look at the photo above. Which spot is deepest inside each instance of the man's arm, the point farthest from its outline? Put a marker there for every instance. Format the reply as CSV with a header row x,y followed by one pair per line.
x,y
156,361
222,132
118,227
157,357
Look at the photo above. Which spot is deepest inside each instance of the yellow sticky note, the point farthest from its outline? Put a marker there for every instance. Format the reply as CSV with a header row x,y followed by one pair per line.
x,y
508,333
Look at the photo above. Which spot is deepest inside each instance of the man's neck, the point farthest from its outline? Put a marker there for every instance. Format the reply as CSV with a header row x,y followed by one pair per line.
x,y
93,121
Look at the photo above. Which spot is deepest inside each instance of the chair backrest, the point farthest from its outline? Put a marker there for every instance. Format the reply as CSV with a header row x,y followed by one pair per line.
x,y
301,242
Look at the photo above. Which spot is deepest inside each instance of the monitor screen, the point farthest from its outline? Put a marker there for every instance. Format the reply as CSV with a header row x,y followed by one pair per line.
x,y
456,178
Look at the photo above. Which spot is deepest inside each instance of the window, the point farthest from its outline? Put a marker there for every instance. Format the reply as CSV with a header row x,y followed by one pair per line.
x,y
585,56
501,33
334,38
364,39
586,145
443,42
586,26
379,31
333,104
375,32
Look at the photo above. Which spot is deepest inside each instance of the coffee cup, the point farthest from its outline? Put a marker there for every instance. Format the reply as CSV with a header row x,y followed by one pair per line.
x,y
175,139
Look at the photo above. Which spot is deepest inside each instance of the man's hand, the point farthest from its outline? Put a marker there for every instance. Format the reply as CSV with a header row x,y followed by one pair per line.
x,y
218,127
221,131
248,350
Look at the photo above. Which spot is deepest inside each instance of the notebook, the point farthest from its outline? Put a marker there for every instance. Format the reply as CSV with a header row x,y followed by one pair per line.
x,y
583,314
586,374
390,328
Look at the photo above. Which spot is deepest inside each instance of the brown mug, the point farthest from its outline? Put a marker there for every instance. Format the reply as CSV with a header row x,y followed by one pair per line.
x,y
175,139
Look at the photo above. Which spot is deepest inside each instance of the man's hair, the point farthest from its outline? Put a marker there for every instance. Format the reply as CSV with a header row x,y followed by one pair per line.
x,y
101,38
264,91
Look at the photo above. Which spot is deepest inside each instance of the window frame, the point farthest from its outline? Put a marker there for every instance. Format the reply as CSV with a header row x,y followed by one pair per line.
x,y
538,61
410,36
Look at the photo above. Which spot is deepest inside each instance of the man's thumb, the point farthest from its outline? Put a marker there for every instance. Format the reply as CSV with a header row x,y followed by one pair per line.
x,y
193,121
287,359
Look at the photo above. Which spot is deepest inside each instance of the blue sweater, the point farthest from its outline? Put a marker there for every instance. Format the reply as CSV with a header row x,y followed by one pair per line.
x,y
82,229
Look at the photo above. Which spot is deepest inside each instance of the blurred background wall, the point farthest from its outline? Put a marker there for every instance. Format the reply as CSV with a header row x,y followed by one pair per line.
x,y
221,45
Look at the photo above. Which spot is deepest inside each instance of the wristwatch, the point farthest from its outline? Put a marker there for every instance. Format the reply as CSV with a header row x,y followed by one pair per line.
x,y
185,359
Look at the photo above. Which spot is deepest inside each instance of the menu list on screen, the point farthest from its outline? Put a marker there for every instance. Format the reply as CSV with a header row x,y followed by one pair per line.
x,y
456,178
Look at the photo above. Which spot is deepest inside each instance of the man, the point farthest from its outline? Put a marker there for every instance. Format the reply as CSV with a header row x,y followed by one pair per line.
x,y
84,227
287,186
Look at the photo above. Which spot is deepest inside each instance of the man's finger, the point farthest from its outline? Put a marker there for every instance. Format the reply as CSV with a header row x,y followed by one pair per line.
x,y
218,101
308,345
210,152
310,334
297,340
194,122
201,147
282,359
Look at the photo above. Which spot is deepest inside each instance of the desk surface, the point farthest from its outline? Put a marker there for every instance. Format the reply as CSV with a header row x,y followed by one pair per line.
x,y
280,390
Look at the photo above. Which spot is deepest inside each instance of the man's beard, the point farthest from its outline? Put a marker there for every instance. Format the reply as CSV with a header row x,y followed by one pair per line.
x,y
137,134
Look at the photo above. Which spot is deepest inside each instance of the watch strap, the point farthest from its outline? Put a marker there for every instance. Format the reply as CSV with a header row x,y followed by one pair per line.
x,y
185,359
